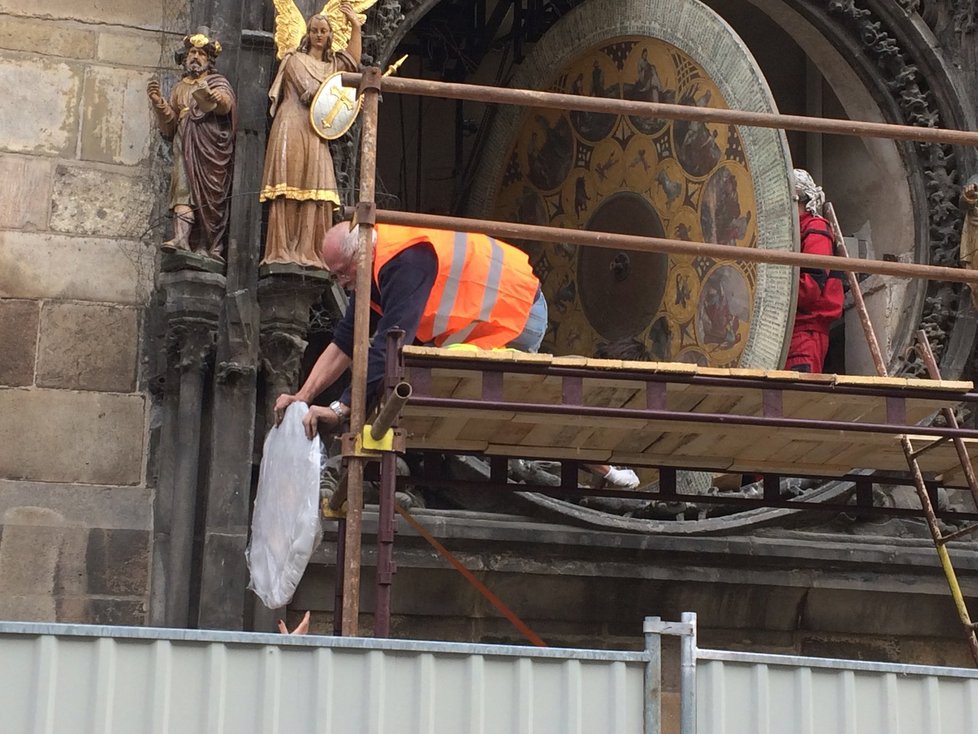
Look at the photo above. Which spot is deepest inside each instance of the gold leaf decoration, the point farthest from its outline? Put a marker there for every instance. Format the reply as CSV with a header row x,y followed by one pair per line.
x,y
342,31
290,27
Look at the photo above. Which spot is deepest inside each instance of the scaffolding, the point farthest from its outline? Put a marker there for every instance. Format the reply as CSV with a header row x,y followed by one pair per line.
x,y
430,395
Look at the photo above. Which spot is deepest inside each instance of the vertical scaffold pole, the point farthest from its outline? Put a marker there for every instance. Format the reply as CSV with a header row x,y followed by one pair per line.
x,y
370,90
386,515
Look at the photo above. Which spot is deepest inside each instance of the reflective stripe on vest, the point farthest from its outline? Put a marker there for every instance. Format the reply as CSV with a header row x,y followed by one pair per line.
x,y
448,296
483,290
489,295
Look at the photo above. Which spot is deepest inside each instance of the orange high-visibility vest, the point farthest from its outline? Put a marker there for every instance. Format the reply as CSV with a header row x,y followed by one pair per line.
x,y
482,293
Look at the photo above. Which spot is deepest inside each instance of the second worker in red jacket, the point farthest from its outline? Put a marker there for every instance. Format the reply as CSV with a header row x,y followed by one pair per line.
x,y
820,293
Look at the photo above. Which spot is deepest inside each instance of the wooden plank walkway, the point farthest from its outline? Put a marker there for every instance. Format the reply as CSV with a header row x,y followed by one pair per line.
x,y
526,381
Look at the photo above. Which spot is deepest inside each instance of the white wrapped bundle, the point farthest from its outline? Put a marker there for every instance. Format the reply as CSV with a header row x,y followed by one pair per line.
x,y
285,528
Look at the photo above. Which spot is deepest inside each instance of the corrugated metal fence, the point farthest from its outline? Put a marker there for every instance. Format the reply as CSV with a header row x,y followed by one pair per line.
x,y
58,679
68,679
747,693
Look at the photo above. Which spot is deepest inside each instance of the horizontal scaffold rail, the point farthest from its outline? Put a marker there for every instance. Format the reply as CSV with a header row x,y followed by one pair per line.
x,y
659,110
512,230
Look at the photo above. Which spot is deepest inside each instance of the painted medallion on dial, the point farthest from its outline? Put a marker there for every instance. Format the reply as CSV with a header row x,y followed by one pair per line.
x,y
636,175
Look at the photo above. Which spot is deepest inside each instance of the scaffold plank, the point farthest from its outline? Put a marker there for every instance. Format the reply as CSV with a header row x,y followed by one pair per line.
x,y
789,422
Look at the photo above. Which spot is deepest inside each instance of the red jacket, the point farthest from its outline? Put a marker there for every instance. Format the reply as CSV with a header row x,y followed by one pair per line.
x,y
820,293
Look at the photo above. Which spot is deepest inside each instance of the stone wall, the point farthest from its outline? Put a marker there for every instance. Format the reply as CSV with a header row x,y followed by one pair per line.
x,y
80,183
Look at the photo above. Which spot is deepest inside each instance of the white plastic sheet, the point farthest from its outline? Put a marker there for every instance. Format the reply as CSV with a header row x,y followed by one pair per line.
x,y
285,528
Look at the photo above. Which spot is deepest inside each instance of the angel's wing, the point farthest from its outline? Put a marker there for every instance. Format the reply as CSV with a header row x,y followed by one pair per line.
x,y
339,23
290,26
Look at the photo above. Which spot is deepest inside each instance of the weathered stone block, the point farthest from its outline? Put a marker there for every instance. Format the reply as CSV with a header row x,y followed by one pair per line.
x,y
91,506
96,610
144,13
117,562
90,201
18,334
144,49
116,119
25,192
39,110
86,346
32,551
47,38
62,436
34,265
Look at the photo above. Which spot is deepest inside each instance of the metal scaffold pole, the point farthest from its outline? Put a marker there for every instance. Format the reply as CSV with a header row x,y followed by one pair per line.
x,y
370,89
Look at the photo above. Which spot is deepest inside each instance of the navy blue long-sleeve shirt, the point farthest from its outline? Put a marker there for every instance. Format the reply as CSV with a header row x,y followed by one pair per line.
x,y
405,283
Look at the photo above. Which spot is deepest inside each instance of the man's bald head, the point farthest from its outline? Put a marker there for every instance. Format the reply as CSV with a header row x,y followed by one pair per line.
x,y
340,247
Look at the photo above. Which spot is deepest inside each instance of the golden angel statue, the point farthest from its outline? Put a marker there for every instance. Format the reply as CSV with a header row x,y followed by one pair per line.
x,y
299,180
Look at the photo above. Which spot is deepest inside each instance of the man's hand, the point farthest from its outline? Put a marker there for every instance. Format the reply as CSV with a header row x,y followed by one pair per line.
x,y
283,402
318,414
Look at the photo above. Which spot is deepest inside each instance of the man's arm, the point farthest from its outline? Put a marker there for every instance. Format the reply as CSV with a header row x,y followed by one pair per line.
x,y
332,363
405,285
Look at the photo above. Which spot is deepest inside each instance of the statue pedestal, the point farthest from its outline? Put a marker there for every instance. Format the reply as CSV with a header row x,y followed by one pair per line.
x,y
293,270
177,260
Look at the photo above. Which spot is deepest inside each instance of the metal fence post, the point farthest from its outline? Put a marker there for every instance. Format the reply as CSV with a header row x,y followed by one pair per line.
x,y
687,685
653,676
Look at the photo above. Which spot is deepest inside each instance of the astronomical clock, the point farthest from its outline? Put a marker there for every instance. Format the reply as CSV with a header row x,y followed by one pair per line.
x,y
682,180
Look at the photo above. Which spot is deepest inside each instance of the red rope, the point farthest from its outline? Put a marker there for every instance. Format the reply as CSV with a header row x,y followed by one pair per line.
x,y
470,577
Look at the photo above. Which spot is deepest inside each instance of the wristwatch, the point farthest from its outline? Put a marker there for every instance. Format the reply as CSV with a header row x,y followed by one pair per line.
x,y
337,407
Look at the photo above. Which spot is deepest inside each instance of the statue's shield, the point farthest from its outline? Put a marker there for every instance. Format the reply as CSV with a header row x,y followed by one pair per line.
x,y
334,108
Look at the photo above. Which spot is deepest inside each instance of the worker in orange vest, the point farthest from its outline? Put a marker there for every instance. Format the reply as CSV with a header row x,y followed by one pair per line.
x,y
440,287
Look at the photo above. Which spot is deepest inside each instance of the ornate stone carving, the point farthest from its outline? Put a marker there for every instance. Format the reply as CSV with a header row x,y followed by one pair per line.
x,y
282,358
285,302
190,342
965,14
382,23
909,89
